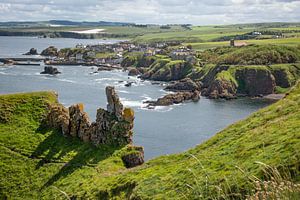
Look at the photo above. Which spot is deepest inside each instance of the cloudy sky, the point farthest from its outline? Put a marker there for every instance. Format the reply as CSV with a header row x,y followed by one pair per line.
x,y
198,12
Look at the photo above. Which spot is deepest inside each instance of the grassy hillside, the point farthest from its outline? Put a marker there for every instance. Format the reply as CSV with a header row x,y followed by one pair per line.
x,y
41,164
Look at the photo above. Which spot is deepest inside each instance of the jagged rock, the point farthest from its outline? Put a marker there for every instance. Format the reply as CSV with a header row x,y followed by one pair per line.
x,y
50,51
134,158
255,81
32,51
167,71
58,118
50,70
183,85
220,89
79,122
175,98
114,105
281,78
112,127
210,76
133,72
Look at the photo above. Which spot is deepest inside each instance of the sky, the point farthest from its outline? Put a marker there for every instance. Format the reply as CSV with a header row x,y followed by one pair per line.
x,y
197,12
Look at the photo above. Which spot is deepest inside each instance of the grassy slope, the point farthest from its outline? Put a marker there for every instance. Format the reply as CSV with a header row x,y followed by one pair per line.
x,y
33,158
37,163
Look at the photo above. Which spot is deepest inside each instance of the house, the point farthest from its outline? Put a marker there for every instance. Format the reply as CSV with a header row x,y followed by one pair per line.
x,y
80,46
149,52
237,44
256,33
91,54
179,55
79,56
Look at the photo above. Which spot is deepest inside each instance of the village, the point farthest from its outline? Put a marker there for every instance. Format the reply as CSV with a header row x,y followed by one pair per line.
x,y
110,56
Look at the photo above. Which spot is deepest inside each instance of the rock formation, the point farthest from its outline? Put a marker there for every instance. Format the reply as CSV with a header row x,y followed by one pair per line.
x,y
175,98
133,72
134,158
255,81
50,70
32,51
112,126
186,84
220,89
50,51
167,71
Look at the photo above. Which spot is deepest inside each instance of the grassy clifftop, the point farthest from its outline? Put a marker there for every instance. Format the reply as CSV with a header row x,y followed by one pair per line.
x,y
42,164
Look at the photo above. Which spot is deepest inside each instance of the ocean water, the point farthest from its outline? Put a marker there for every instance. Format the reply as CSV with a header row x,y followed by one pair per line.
x,y
163,130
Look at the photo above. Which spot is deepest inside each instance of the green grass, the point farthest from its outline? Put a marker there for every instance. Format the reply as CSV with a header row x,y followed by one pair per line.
x,y
200,46
37,163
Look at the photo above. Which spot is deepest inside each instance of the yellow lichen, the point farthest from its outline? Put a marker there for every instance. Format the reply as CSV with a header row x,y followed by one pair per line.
x,y
128,114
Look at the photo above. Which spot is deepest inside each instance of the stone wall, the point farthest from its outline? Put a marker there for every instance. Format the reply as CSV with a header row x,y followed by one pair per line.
x,y
112,126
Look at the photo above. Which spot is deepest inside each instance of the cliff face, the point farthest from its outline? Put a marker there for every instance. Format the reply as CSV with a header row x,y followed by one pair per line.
x,y
112,126
255,81
166,70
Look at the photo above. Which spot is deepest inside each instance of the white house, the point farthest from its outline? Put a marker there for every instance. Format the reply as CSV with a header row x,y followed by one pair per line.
x,y
79,56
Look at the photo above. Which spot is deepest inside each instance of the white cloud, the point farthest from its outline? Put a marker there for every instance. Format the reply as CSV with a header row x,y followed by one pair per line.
x,y
153,11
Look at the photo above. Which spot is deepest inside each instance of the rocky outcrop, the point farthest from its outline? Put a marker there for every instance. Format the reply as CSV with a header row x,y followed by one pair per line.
x,y
255,81
167,71
175,98
32,51
133,72
220,88
114,106
281,78
58,118
50,70
186,84
50,51
210,76
134,158
112,126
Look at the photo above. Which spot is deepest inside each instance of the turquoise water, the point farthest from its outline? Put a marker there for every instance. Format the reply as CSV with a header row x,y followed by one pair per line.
x,y
164,130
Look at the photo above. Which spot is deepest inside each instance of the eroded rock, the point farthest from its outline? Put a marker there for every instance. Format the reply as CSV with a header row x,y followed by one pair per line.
x,y
113,126
114,105
186,84
255,81
175,98
32,51
50,70
50,51
134,158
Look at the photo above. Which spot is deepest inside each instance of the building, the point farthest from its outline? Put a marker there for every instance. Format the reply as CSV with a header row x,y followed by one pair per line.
x,y
79,56
237,44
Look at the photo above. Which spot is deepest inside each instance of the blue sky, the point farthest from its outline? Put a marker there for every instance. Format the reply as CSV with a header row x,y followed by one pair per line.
x,y
196,12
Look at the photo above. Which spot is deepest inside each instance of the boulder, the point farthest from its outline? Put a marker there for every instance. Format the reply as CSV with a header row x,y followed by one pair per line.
x,y
175,98
50,70
32,51
255,81
50,51
183,85
133,72
134,158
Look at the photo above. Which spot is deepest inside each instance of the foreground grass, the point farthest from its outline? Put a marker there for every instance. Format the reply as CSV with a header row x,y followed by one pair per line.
x,y
41,164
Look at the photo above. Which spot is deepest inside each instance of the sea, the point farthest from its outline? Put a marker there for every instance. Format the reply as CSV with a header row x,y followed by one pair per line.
x,y
161,131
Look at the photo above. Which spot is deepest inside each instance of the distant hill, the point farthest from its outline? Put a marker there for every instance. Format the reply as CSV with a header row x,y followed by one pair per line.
x,y
61,23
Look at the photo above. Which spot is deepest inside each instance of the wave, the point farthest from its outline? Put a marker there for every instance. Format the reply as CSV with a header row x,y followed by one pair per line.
x,y
66,80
